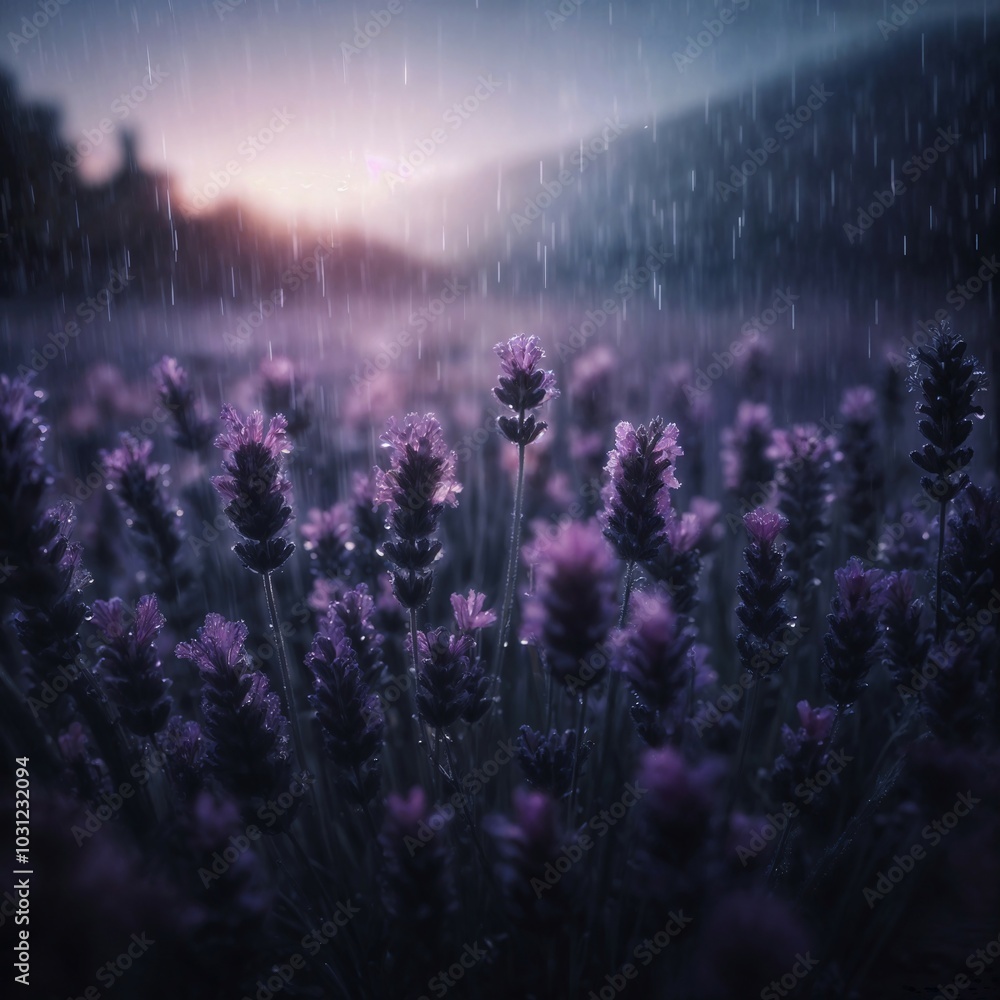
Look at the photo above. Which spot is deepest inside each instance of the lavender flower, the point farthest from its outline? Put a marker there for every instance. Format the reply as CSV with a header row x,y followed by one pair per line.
x,y
256,491
547,761
443,664
248,736
184,749
470,618
355,611
130,662
803,457
281,394
654,656
573,608
677,564
949,387
745,465
327,535
906,642
349,713
469,613
804,751
762,612
636,498
139,486
862,466
523,387
418,485
418,889
191,431
852,642
953,703
971,565
591,394
526,845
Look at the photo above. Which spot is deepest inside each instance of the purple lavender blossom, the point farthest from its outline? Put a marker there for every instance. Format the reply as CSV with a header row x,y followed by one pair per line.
x,y
853,639
864,480
762,612
804,751
418,485
139,487
191,431
282,393
640,473
573,608
470,618
184,749
249,749
906,642
256,491
523,387
746,468
349,713
443,666
469,613
327,535
654,657
418,889
547,761
130,664
954,702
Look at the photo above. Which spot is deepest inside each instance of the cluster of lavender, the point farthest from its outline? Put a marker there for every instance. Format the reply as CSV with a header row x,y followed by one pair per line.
x,y
648,768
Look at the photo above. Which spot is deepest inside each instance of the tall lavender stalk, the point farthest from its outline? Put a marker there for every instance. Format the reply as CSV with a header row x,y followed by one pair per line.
x,y
523,387
640,473
256,493
948,379
762,614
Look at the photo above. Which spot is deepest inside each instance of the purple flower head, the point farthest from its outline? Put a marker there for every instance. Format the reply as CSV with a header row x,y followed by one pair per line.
x,y
419,483
745,465
129,661
653,651
853,639
328,540
949,379
803,443
349,713
526,844
249,746
418,889
763,526
762,612
355,611
191,431
283,393
256,490
523,386
444,663
816,723
184,749
139,487
574,606
469,613
640,473
859,405
547,761
906,641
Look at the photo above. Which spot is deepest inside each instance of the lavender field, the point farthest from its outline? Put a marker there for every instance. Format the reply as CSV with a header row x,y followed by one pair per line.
x,y
499,502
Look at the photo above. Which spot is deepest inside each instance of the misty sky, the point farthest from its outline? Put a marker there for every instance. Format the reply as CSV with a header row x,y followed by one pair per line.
x,y
208,78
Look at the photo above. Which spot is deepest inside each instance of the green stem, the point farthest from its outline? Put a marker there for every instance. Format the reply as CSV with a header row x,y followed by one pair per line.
x,y
286,677
511,574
